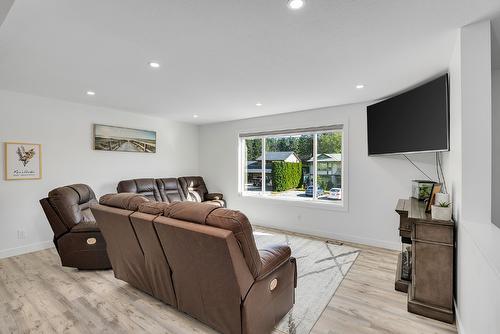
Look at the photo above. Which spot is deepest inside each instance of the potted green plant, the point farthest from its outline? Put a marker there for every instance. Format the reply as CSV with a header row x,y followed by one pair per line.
x,y
441,211
441,197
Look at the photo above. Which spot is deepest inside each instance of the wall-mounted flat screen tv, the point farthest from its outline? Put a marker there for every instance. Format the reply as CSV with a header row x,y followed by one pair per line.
x,y
414,121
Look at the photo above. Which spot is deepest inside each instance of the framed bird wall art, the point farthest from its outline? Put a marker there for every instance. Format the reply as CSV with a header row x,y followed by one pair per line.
x,y
23,161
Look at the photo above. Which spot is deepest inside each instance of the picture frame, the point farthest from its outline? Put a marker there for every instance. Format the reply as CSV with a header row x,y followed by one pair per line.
x,y
23,161
436,188
121,139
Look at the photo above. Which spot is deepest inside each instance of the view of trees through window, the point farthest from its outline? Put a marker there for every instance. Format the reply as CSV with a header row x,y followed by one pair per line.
x,y
289,165
253,168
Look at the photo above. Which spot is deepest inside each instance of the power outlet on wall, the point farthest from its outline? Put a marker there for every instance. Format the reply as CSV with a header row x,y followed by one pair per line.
x,y
21,234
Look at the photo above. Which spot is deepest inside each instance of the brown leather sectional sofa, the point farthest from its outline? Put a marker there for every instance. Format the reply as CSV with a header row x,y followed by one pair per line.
x,y
200,259
77,237
186,188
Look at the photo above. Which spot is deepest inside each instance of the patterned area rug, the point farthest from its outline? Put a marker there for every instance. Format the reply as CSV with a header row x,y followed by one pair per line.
x,y
321,267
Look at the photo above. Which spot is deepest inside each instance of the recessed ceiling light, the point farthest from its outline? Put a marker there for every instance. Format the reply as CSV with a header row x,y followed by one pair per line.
x,y
154,64
91,93
258,104
295,4
360,86
195,116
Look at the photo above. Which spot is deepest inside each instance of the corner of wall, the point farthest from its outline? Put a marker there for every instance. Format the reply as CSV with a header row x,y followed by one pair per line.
x,y
469,164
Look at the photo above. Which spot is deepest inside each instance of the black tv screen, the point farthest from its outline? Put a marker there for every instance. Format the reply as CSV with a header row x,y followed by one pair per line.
x,y
414,121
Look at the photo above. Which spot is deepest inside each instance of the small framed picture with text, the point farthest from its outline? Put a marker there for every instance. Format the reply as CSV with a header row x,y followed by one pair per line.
x,y
23,161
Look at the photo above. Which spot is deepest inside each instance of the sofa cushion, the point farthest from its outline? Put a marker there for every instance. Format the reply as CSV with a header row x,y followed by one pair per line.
x,y
153,208
127,201
238,223
194,188
213,196
170,190
90,226
87,216
144,187
189,211
220,203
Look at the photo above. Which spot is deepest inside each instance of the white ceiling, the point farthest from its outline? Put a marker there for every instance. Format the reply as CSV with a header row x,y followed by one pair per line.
x,y
219,58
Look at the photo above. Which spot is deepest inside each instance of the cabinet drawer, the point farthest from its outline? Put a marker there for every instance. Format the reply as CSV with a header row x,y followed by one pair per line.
x,y
434,233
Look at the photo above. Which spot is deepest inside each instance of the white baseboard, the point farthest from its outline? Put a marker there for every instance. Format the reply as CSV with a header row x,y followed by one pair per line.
x,y
26,249
458,322
335,236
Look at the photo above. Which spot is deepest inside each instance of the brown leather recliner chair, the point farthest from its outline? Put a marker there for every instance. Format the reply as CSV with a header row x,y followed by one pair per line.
x,y
195,190
77,237
200,259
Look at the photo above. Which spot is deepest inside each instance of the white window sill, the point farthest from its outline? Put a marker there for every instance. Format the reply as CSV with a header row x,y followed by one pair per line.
x,y
309,203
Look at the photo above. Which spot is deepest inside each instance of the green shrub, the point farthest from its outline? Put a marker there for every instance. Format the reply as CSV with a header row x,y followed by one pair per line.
x,y
286,175
326,183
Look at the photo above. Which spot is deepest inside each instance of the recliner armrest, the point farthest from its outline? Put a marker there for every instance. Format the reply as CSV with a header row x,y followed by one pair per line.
x,y
272,257
213,196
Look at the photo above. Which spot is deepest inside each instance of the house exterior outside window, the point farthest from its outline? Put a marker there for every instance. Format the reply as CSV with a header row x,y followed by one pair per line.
x,y
329,170
300,164
255,167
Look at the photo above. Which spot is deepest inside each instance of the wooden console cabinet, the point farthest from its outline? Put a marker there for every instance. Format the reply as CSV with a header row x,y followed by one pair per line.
x,y
430,290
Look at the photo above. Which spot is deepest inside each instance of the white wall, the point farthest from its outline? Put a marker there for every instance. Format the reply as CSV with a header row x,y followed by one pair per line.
x,y
5,6
374,183
452,161
65,132
495,212
468,168
476,121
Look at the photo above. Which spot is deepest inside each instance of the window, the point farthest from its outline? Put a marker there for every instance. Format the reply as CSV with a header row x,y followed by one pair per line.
x,y
300,164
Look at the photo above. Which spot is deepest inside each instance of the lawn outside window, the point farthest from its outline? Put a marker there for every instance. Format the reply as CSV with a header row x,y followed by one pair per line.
x,y
301,165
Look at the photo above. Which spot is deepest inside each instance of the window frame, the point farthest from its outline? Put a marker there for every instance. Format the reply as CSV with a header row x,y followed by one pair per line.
x,y
341,205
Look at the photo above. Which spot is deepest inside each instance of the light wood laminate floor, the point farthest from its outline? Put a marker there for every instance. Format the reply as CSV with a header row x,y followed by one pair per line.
x,y
37,295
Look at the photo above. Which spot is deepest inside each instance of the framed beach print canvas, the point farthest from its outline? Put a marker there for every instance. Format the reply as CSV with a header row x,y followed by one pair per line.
x,y
115,138
23,161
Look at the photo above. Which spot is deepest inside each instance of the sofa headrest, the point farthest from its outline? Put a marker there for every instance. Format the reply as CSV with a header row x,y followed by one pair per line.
x,y
128,201
80,193
69,201
169,183
153,208
193,181
146,187
194,188
189,211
